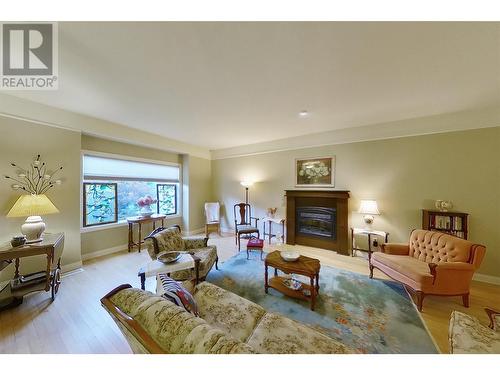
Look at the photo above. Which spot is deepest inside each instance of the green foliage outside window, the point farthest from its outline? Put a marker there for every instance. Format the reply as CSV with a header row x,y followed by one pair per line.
x,y
108,202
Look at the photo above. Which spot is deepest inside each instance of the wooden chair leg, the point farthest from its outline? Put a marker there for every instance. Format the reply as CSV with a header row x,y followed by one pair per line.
x,y
239,242
465,300
371,271
217,263
420,300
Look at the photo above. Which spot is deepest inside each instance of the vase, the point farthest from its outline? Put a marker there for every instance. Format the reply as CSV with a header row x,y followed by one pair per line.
x,y
146,211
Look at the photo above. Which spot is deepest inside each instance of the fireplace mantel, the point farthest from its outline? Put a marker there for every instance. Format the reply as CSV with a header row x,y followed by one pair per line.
x,y
335,199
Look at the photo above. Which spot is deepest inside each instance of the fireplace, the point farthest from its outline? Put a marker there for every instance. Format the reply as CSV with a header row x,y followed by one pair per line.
x,y
316,221
317,218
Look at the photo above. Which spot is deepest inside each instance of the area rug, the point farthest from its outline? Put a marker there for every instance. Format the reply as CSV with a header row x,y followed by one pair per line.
x,y
370,316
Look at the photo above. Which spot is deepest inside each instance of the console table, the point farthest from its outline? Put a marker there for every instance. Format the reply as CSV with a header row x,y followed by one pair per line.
x,y
139,220
52,247
369,233
270,220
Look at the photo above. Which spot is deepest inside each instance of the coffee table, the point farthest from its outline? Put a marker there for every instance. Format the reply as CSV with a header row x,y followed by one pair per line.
x,y
305,266
155,267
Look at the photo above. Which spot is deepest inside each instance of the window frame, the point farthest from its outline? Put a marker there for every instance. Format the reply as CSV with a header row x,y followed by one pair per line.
x,y
123,223
158,197
84,206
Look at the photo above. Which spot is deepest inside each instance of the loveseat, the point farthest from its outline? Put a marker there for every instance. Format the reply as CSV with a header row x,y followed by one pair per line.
x,y
228,324
432,263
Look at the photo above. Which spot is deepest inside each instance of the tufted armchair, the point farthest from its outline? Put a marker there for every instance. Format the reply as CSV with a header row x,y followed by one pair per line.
x,y
432,263
170,239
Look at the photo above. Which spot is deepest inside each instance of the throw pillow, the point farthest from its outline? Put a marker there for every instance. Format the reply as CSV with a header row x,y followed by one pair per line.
x,y
176,293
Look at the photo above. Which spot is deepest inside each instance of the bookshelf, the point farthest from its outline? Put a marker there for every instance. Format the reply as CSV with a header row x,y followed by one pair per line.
x,y
454,223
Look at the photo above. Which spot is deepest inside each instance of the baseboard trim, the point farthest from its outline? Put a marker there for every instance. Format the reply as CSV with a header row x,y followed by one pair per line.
x,y
194,232
486,278
65,268
100,253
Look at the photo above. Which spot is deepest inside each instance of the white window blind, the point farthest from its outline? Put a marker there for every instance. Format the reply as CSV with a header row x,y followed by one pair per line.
x,y
102,168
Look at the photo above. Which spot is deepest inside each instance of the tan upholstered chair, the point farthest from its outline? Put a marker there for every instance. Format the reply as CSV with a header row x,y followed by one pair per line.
x,y
170,239
212,217
432,263
467,335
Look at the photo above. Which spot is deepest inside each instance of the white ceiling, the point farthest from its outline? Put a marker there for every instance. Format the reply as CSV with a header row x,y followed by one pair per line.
x,y
222,85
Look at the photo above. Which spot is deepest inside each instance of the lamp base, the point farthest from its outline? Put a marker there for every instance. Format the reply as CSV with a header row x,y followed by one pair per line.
x,y
33,229
368,219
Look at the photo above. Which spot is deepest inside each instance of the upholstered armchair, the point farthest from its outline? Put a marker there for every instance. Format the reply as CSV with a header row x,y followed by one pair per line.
x,y
432,263
170,239
468,336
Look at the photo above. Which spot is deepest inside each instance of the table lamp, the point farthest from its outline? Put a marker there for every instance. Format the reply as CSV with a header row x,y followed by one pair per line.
x,y
368,208
32,206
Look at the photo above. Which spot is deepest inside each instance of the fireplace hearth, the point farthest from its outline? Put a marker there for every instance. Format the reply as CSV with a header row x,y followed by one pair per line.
x,y
317,218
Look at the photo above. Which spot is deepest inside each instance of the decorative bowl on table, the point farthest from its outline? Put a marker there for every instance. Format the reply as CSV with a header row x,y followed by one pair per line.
x,y
290,255
169,256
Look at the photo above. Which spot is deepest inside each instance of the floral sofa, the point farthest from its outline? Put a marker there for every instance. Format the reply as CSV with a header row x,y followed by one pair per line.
x,y
468,336
227,324
170,239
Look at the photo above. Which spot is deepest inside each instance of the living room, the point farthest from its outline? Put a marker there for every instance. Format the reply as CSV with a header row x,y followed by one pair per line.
x,y
274,188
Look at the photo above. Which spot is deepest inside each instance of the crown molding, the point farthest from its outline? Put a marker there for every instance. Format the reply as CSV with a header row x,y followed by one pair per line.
x,y
27,110
449,122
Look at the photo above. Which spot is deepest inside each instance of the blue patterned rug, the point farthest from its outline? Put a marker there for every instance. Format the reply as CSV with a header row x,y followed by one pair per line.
x,y
371,316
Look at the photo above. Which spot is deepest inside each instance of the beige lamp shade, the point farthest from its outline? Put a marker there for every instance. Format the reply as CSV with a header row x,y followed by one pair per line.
x,y
368,207
32,205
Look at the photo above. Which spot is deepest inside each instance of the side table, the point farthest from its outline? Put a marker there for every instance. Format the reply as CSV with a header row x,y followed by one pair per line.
x,y
270,220
370,234
49,279
155,267
139,220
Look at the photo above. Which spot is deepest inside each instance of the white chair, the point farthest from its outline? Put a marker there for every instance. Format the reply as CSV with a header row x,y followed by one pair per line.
x,y
212,216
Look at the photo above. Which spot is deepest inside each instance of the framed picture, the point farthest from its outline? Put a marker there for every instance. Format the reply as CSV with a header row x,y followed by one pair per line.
x,y
100,203
315,172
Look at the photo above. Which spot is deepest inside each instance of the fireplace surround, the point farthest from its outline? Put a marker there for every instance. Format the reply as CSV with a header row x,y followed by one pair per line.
x,y
317,218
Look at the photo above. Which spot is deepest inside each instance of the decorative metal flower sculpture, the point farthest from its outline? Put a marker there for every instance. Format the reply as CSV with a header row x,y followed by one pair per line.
x,y
37,179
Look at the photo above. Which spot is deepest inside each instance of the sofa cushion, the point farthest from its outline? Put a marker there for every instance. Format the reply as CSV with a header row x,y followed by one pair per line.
x,y
276,334
468,335
227,311
407,266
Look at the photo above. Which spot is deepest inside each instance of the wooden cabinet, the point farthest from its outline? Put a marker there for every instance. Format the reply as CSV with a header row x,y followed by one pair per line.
x,y
454,223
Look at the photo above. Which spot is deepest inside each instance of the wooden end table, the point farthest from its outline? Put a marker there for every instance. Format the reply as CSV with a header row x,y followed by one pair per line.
x,y
305,266
139,220
51,247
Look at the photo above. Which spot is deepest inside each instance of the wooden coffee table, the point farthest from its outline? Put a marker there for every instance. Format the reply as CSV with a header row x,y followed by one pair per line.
x,y
305,266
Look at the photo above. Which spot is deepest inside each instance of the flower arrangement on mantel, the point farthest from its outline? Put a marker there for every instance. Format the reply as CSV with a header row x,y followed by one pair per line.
x,y
36,180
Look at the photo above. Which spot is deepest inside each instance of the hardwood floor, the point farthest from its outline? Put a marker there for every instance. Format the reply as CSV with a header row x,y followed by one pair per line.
x,y
76,323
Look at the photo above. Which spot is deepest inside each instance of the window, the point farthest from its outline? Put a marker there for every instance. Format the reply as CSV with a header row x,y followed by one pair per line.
x,y
112,188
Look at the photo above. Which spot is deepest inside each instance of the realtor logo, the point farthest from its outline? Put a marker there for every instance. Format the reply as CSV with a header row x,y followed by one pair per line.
x,y
29,56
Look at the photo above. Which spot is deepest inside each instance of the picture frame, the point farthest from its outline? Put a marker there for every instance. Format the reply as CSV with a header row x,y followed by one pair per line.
x,y
316,172
110,211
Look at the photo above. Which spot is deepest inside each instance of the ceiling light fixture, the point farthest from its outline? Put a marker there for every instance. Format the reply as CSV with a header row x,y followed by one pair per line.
x,y
303,113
